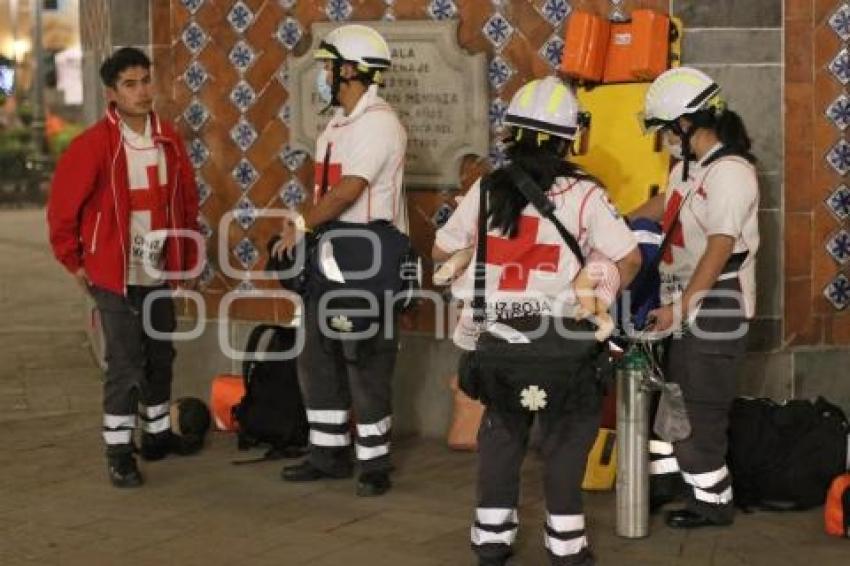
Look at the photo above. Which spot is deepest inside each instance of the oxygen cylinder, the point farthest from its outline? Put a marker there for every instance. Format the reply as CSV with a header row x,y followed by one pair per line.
x,y
632,446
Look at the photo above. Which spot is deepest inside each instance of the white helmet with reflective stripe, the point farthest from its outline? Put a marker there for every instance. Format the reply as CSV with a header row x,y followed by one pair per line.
x,y
548,106
679,92
355,43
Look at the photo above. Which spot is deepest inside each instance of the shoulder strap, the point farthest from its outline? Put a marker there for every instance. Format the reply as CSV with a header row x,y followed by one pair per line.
x,y
479,314
544,206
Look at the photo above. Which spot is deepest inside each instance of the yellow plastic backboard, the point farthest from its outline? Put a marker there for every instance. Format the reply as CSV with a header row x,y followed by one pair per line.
x,y
618,152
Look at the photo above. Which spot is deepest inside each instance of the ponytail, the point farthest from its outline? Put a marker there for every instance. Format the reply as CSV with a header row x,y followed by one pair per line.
x,y
730,130
733,135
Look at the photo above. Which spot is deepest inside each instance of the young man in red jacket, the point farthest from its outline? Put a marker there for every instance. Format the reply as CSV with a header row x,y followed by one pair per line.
x,y
119,193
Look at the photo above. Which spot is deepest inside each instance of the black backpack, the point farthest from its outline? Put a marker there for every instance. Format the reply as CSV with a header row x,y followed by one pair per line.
x,y
272,410
784,456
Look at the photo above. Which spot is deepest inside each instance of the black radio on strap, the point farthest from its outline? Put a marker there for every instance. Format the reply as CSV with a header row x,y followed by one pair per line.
x,y
544,206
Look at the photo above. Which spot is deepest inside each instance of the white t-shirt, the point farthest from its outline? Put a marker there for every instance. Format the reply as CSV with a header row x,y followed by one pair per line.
x,y
148,172
720,198
369,143
532,273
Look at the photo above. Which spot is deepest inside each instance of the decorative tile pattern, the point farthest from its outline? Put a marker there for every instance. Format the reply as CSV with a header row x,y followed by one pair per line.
x,y
287,4
552,50
245,286
839,203
198,153
283,75
499,72
442,10
293,159
245,174
196,114
839,157
840,67
192,5
285,114
240,17
439,219
496,114
194,38
204,190
242,56
838,292
289,33
195,76
204,227
498,30
839,112
292,194
838,247
338,10
243,96
840,21
617,12
207,274
243,134
245,212
556,11
497,156
246,252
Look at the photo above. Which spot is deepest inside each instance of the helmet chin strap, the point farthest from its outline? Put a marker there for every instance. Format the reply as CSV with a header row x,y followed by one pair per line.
x,y
685,136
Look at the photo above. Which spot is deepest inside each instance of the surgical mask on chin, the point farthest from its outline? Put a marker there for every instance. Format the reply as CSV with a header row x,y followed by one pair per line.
x,y
674,149
323,89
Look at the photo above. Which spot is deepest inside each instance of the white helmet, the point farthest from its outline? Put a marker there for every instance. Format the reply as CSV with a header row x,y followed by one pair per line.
x,y
548,106
358,44
679,92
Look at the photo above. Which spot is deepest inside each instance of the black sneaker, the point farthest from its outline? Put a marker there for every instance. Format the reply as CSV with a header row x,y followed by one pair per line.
x,y
306,472
373,484
123,471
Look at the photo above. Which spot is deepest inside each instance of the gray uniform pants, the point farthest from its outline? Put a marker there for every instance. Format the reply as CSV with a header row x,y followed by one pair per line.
x,y
139,368
502,442
706,368
338,376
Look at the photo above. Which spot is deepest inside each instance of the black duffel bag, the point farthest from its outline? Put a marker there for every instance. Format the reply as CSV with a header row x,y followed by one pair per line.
x,y
783,456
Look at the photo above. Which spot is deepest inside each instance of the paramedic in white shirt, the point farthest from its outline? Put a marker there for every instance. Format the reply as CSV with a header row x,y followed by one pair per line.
x,y
710,211
529,270
359,170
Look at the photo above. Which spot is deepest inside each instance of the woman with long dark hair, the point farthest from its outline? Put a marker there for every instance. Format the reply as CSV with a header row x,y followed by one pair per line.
x,y
710,217
528,270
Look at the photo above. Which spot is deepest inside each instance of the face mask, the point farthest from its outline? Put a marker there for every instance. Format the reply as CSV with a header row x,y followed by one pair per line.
x,y
674,149
323,89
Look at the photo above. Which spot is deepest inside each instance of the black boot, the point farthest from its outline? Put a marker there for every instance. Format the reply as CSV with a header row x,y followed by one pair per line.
x,y
687,519
306,472
123,471
373,484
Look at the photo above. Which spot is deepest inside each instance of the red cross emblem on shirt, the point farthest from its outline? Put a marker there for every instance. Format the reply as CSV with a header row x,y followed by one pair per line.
x,y
522,254
153,198
677,238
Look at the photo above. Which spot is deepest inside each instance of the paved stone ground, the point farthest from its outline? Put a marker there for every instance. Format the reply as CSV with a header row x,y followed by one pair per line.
x,y
56,506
